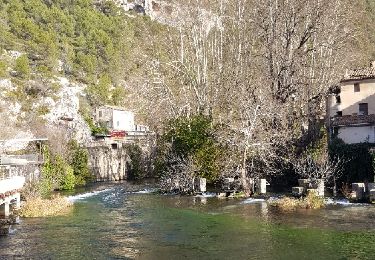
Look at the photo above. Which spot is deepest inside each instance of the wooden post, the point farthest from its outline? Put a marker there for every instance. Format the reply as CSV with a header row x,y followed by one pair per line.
x,y
334,187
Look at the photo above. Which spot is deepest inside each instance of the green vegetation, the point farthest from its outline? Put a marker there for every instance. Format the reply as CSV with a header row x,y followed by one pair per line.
x,y
87,41
137,169
3,69
22,67
84,40
78,159
359,165
191,138
59,173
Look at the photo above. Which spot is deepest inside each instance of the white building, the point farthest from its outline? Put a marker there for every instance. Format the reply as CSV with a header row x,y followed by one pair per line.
x,y
115,118
351,107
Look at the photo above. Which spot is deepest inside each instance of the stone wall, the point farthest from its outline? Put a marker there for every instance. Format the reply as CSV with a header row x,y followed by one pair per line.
x,y
108,162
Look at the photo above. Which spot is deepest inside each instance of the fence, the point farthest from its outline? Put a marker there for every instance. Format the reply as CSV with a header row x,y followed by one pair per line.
x,y
21,159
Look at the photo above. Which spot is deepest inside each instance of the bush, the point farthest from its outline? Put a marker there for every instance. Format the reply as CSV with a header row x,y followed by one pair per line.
x,y
3,69
190,138
359,166
137,169
78,160
59,173
22,67
69,180
95,130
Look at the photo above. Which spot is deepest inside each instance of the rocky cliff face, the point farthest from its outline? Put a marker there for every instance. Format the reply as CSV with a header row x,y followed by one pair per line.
x,y
34,118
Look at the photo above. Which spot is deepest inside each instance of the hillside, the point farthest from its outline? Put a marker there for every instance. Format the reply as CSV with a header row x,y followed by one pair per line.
x,y
57,54
232,88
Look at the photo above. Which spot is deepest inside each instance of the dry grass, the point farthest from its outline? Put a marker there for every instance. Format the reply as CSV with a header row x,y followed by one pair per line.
x,y
311,201
38,207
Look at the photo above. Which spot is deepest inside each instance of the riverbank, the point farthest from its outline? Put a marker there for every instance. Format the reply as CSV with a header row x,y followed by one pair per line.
x,y
39,207
122,221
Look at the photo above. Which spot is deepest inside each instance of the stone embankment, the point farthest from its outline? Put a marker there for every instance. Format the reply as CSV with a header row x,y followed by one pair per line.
x,y
108,162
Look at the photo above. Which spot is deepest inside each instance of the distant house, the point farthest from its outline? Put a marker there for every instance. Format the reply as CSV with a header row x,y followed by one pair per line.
x,y
351,107
115,118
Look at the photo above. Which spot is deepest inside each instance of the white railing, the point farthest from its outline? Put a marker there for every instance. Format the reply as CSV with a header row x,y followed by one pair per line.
x,y
11,184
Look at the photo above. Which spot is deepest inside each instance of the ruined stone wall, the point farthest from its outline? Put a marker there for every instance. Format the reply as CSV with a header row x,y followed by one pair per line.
x,y
108,162
111,160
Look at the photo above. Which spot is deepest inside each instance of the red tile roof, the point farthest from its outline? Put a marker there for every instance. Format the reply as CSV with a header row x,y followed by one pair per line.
x,y
361,73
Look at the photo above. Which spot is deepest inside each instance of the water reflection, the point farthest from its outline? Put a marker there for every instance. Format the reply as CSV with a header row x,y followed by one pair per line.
x,y
120,223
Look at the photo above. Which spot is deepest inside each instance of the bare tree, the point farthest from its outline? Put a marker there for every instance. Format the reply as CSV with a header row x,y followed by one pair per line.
x,y
260,69
327,170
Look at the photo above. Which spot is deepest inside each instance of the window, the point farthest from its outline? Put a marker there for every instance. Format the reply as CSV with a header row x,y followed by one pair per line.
x,y
118,123
339,113
114,146
338,99
363,109
357,88
100,114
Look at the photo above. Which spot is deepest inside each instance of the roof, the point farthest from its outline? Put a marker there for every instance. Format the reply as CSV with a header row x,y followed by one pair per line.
x,y
360,73
353,120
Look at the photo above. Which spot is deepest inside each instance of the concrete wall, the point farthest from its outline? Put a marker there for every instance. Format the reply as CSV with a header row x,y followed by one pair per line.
x,y
359,134
115,119
350,100
107,163
332,106
123,120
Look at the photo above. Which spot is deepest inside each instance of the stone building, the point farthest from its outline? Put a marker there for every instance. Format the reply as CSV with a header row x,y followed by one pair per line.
x,y
351,107
115,118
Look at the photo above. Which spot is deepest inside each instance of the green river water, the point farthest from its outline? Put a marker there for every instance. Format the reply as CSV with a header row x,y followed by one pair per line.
x,y
119,223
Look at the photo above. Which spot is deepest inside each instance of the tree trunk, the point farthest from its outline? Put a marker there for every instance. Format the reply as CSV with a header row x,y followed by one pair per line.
x,y
245,184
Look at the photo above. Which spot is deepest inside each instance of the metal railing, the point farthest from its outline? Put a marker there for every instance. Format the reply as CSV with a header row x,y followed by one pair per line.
x,y
20,159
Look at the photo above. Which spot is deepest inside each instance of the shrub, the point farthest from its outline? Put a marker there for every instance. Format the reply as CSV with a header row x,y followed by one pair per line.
x,y
313,201
59,173
3,69
69,180
137,164
359,165
78,160
22,67
191,138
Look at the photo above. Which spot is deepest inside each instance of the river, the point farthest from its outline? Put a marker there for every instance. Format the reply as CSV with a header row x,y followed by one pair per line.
x,y
119,222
